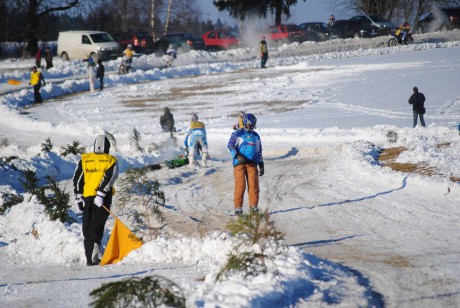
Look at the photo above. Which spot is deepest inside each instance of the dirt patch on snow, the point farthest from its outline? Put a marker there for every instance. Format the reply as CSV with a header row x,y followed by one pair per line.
x,y
389,156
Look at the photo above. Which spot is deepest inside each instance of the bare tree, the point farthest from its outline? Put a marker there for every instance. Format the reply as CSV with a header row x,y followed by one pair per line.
x,y
397,10
168,17
36,10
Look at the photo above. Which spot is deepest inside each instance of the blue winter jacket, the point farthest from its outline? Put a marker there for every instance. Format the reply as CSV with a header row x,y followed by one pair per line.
x,y
246,143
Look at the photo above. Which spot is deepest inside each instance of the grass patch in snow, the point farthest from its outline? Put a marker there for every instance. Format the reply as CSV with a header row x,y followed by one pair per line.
x,y
389,156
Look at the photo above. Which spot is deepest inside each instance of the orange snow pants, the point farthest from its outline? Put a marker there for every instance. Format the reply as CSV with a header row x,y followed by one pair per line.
x,y
242,174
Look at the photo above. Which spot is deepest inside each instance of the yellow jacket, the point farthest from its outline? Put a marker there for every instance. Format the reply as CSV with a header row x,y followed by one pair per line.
x,y
35,78
95,172
195,125
263,46
128,53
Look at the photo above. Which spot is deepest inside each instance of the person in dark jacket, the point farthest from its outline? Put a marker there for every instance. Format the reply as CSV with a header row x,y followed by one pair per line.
x,y
100,74
167,121
417,100
263,50
93,182
48,58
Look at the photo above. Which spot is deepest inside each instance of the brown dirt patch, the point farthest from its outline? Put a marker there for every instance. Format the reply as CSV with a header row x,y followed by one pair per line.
x,y
389,156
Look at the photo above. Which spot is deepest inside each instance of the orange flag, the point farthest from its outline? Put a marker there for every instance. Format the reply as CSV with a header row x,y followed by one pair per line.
x,y
14,82
121,242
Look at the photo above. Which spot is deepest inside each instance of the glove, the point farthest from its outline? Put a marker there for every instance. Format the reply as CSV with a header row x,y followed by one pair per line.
x,y
240,158
99,200
261,169
80,202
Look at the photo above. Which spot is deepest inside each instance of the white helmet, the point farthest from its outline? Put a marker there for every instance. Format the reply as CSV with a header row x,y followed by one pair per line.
x,y
130,46
171,46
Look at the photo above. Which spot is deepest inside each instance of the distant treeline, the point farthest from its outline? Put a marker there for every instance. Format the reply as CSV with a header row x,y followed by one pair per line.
x,y
112,16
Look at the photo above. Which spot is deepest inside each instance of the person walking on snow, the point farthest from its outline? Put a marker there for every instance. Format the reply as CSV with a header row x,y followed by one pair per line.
x,y
36,80
263,49
417,100
167,121
48,58
100,74
245,147
195,140
91,74
93,182
38,58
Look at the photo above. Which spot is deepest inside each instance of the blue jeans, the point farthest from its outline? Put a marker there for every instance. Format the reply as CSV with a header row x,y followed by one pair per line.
x,y
416,115
263,59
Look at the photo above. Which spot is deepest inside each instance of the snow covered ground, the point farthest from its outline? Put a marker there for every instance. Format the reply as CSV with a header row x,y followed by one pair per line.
x,y
360,234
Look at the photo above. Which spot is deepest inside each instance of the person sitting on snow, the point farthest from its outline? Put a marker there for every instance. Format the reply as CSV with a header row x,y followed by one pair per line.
x,y
196,139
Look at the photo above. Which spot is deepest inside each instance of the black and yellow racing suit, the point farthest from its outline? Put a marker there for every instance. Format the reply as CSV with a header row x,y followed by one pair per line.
x,y
95,174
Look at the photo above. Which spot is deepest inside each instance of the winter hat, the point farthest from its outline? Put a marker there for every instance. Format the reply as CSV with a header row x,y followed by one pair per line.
x,y
415,90
194,117
101,145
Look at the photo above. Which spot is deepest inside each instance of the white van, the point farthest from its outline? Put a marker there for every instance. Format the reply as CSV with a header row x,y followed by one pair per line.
x,y
85,44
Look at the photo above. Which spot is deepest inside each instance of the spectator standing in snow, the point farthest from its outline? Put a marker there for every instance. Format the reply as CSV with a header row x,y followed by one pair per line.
x,y
263,49
91,73
48,58
167,121
331,22
93,181
100,74
38,58
239,122
245,147
196,139
36,80
417,100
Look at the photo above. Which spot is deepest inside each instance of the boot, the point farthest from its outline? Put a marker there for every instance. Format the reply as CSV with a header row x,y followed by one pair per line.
x,y
95,259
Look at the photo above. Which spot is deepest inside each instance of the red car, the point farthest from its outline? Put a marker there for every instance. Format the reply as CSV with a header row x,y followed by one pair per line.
x,y
221,39
285,34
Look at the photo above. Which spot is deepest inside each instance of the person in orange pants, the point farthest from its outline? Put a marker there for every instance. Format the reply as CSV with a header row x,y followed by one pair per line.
x,y
246,149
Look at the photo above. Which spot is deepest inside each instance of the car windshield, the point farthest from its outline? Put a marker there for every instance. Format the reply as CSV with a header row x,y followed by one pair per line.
x,y
233,34
141,35
291,28
101,38
378,18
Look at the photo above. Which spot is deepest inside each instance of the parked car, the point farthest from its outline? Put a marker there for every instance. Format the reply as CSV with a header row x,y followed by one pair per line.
x,y
221,39
85,44
141,41
442,19
183,42
285,34
384,25
318,31
355,28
